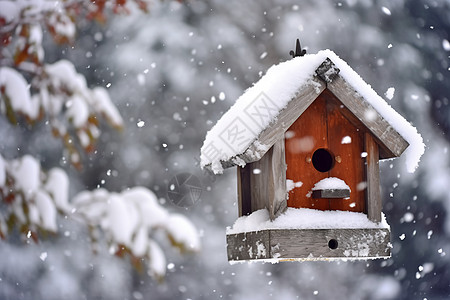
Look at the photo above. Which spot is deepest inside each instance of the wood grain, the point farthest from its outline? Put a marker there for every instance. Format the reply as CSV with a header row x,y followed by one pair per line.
x,y
346,142
393,143
306,134
277,190
326,124
373,179
243,187
309,244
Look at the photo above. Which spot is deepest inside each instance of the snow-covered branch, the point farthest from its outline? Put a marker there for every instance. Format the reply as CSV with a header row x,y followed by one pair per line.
x,y
129,220
31,197
32,90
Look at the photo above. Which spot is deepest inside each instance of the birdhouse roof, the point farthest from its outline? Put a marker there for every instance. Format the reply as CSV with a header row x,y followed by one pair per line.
x,y
265,111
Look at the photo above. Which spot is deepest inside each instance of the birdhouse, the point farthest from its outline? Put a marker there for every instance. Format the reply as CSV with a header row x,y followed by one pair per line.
x,y
306,140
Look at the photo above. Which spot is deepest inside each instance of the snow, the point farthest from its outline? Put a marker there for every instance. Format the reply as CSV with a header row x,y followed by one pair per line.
x,y
35,40
232,134
140,242
9,11
63,74
63,25
346,140
390,93
446,45
130,218
303,218
57,185
16,90
331,183
260,105
84,138
47,211
77,111
290,184
121,219
183,232
147,204
386,10
261,249
42,198
157,260
103,104
26,172
39,197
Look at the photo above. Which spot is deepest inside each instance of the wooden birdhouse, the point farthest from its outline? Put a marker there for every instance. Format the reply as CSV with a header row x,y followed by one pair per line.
x,y
307,139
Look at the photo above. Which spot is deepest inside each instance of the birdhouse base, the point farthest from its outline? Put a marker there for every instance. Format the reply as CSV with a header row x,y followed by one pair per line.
x,y
309,244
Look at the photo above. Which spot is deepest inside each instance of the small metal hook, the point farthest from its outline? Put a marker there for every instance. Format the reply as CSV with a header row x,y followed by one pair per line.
x,y
298,50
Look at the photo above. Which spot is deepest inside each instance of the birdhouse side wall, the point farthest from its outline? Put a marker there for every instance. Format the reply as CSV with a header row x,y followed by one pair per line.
x,y
262,184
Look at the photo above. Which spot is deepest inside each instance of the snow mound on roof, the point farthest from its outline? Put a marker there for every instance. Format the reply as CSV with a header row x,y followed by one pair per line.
x,y
260,105
304,218
256,109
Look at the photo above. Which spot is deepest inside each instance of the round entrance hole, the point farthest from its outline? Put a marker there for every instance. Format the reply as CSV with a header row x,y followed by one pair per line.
x,y
333,244
322,160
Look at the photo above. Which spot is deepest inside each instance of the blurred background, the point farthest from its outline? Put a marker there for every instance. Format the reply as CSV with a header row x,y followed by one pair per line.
x,y
178,69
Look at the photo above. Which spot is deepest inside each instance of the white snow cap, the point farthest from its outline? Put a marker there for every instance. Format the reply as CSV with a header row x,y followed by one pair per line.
x,y
235,132
331,183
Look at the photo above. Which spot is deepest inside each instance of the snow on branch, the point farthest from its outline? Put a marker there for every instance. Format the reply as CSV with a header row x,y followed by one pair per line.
x,y
32,90
32,197
129,221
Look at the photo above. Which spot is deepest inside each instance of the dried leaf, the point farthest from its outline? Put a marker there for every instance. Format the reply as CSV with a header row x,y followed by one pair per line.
x,y
21,55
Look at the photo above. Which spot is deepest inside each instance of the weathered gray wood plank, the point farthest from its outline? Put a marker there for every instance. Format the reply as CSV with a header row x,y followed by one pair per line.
x,y
260,181
310,244
265,186
277,190
331,193
314,243
387,135
373,194
248,245
243,190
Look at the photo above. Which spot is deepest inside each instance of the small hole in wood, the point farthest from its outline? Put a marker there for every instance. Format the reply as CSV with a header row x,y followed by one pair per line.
x,y
323,160
333,244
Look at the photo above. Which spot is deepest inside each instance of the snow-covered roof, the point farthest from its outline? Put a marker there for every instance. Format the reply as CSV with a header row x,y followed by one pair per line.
x,y
258,118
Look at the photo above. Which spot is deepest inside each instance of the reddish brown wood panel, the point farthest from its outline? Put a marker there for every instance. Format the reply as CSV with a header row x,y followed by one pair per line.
x,y
307,133
347,143
324,125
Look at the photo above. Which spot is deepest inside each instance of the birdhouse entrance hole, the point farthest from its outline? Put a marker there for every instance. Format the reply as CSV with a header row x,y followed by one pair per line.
x,y
333,244
322,160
